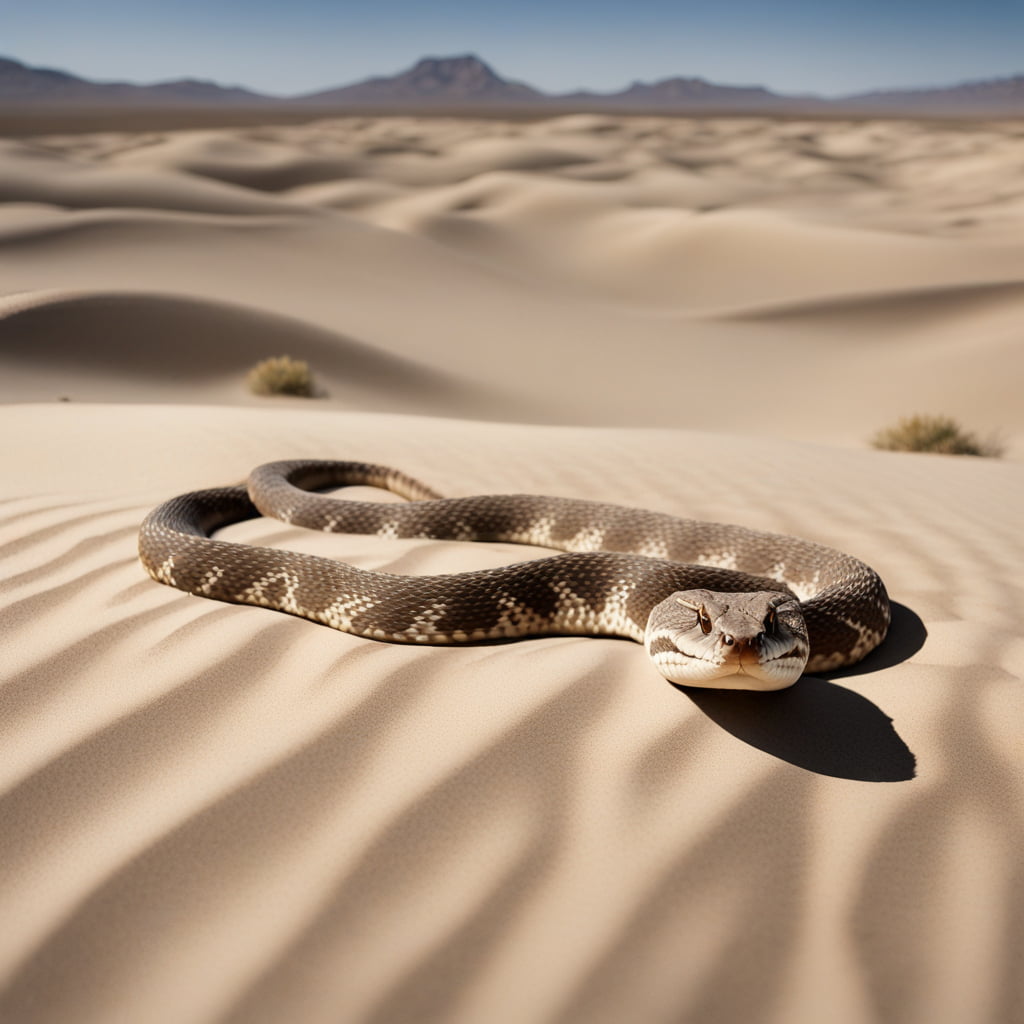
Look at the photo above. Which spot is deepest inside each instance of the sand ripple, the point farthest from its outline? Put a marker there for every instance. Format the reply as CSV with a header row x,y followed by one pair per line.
x,y
221,813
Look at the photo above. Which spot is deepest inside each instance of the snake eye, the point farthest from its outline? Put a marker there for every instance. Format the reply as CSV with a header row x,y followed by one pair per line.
x,y
702,616
769,622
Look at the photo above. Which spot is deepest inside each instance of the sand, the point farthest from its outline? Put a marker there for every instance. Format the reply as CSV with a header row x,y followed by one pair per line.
x,y
829,277
217,813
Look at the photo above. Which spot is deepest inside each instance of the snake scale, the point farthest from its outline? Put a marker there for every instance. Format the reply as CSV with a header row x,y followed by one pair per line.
x,y
714,605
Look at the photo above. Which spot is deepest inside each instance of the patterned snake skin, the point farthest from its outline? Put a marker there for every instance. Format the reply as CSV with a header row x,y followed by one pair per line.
x,y
620,564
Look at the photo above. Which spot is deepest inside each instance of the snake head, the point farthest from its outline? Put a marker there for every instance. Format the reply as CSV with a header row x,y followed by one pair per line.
x,y
753,641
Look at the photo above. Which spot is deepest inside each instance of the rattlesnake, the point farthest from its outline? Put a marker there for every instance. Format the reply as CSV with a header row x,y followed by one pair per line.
x,y
714,605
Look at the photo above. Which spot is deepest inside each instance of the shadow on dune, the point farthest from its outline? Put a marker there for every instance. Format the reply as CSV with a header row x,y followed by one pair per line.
x,y
730,889
185,340
816,725
933,303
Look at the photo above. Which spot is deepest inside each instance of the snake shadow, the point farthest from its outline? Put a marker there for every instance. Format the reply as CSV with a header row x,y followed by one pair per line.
x,y
821,726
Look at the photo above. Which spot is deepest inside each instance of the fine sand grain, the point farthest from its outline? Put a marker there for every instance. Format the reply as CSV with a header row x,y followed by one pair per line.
x,y
213,813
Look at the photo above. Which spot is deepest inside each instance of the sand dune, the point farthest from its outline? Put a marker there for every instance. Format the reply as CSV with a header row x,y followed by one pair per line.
x,y
32,174
218,813
516,258
178,344
221,813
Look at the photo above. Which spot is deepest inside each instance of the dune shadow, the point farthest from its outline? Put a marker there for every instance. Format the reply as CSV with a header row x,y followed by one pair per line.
x,y
189,338
815,725
907,635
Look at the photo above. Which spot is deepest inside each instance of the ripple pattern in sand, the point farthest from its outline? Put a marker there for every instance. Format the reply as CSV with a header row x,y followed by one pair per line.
x,y
220,813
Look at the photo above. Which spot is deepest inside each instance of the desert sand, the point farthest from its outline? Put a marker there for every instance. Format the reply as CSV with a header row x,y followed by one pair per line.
x,y
222,813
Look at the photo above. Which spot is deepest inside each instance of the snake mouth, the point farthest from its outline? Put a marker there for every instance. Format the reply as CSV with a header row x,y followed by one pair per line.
x,y
745,653
743,667
793,652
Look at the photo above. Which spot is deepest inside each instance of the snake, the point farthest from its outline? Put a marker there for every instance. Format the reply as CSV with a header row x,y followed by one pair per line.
x,y
715,605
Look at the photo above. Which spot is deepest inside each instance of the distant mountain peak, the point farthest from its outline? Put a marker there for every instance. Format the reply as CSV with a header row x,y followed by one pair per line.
x,y
695,89
23,84
463,75
18,81
462,79
454,65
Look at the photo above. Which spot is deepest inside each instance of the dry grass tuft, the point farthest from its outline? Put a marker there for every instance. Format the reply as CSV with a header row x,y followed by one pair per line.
x,y
939,434
281,375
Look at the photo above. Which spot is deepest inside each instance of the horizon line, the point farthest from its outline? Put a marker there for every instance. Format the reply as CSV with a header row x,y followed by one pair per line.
x,y
513,80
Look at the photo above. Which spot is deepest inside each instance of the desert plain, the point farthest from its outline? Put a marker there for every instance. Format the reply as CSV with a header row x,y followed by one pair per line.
x,y
220,813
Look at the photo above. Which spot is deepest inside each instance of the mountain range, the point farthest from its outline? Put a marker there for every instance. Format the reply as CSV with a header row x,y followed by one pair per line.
x,y
467,82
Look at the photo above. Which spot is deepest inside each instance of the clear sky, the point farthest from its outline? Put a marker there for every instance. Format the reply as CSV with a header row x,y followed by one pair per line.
x,y
293,46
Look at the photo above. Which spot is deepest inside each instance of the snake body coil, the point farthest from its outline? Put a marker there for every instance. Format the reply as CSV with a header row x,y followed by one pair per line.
x,y
715,605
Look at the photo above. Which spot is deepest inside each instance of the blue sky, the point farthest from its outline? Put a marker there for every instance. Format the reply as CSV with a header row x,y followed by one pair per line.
x,y
284,47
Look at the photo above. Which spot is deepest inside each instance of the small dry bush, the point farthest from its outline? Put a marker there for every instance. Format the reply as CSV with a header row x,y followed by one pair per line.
x,y
939,434
281,375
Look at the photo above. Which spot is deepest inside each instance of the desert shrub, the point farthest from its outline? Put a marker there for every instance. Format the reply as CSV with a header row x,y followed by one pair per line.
x,y
281,375
939,434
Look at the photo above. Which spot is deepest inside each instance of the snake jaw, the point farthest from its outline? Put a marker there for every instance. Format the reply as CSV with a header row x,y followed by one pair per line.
x,y
752,641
